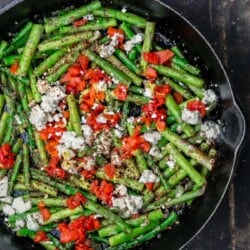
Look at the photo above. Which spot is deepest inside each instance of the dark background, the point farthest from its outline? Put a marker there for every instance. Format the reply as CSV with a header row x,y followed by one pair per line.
x,y
226,25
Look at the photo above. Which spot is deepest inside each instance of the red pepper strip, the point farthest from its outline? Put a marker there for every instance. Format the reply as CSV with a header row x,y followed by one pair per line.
x,y
40,236
110,170
151,74
197,105
44,211
7,157
121,92
75,200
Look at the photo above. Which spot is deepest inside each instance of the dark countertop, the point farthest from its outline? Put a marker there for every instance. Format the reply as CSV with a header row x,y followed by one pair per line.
x,y
225,23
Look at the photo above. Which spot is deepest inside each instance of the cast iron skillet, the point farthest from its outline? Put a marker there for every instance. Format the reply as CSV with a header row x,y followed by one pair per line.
x,y
170,25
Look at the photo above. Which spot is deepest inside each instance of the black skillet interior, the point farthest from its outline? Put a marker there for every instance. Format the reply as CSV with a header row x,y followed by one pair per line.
x,y
171,28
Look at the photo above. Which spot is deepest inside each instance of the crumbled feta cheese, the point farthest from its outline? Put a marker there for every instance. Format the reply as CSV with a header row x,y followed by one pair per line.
x,y
66,153
69,166
4,186
128,205
148,93
121,190
109,49
17,119
101,119
71,141
171,162
7,199
31,223
130,119
129,45
115,81
211,130
155,152
87,131
38,217
101,86
42,86
152,137
19,224
38,117
191,117
88,163
83,119
8,209
48,104
148,177
124,10
56,93
118,133
89,17
210,97
20,205
115,158
104,143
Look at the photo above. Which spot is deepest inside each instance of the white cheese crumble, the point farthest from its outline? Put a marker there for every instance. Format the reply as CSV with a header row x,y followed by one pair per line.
x,y
152,137
211,130
32,223
83,119
38,117
155,152
87,131
115,158
20,205
102,85
66,153
19,224
129,45
109,49
89,17
69,166
48,104
148,92
130,119
88,163
118,133
71,141
148,177
39,114
7,199
128,205
4,186
210,97
8,209
124,10
101,119
42,86
171,162
120,190
191,117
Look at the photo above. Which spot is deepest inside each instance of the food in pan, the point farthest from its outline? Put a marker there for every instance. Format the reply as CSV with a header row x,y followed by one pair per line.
x,y
104,132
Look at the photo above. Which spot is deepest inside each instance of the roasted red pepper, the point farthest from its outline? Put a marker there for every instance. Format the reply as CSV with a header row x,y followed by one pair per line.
x,y
197,105
121,92
40,236
7,157
75,200
110,170
44,211
103,190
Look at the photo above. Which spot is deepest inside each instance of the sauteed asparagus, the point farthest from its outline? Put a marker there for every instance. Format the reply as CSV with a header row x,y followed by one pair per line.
x,y
104,132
